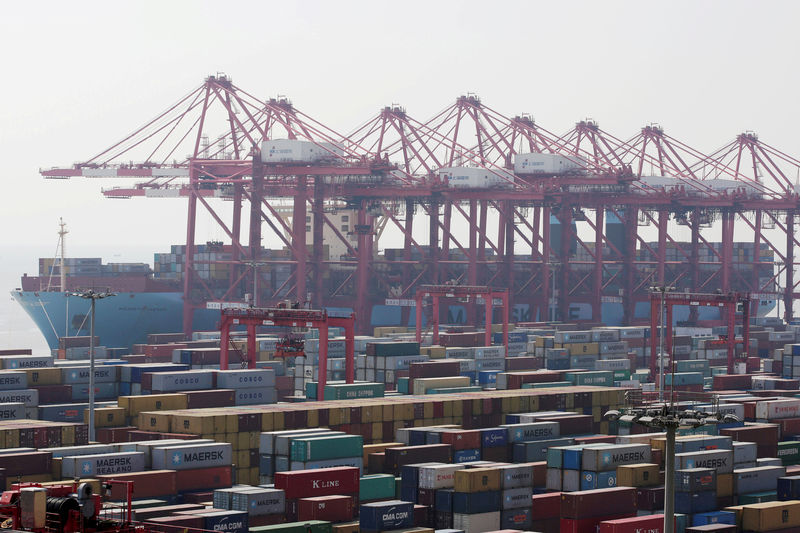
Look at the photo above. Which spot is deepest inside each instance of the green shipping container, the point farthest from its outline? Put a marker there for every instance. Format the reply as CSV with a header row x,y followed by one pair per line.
x,y
353,391
789,452
622,375
696,365
600,378
376,487
326,447
311,526
402,385
758,497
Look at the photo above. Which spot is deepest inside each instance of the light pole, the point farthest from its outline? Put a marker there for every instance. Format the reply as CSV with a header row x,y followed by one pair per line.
x,y
553,266
662,290
91,294
254,265
666,418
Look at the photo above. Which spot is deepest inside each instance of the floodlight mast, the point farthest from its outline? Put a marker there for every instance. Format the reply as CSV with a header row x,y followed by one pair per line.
x,y
91,294
669,420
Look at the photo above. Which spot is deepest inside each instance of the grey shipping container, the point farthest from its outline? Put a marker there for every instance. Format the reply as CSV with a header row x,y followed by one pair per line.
x,y
234,379
603,459
97,465
12,411
182,381
183,457
13,380
29,397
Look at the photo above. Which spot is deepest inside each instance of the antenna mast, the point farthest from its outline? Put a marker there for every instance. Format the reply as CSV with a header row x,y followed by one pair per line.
x,y
62,232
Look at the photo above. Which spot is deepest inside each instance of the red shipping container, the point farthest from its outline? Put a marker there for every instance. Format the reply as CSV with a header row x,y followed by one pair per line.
x,y
24,464
204,479
650,498
204,399
587,525
330,508
114,435
572,424
171,524
461,439
422,515
318,482
523,363
149,484
732,382
650,524
599,502
148,513
406,455
434,369
162,350
198,497
517,379
54,394
544,506
265,520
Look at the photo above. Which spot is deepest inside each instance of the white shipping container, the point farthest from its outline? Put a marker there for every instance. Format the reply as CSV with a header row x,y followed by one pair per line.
x,y
605,458
186,457
776,409
233,379
477,523
12,362
535,163
475,178
255,396
259,502
183,381
296,151
438,476
85,466
720,460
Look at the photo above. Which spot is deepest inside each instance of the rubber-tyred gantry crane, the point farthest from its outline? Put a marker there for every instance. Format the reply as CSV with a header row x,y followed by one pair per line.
x,y
729,304
253,318
627,214
463,292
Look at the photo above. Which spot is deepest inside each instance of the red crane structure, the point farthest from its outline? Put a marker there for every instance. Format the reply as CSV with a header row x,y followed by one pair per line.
x,y
438,292
728,303
252,318
618,217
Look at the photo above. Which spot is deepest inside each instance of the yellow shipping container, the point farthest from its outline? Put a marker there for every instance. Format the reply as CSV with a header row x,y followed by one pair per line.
x,y
771,515
155,421
106,417
637,475
477,480
43,376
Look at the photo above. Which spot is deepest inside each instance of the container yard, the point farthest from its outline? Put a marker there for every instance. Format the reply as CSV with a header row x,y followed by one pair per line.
x,y
455,436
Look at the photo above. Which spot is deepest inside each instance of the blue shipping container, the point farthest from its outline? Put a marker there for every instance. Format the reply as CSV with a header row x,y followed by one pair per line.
x,y
476,502
380,516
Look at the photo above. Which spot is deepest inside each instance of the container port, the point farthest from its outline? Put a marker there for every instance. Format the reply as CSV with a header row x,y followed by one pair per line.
x,y
597,365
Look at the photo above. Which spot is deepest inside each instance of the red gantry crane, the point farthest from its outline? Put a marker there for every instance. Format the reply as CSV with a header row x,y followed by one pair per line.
x,y
584,221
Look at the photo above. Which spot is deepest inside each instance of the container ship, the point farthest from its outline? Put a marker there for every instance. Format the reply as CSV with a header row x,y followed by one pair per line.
x,y
150,299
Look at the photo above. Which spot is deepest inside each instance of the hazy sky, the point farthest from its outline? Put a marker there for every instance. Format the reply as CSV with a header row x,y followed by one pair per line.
x,y
80,75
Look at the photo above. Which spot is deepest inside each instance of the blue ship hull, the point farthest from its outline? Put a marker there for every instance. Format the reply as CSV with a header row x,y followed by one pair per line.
x,y
120,322
127,318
